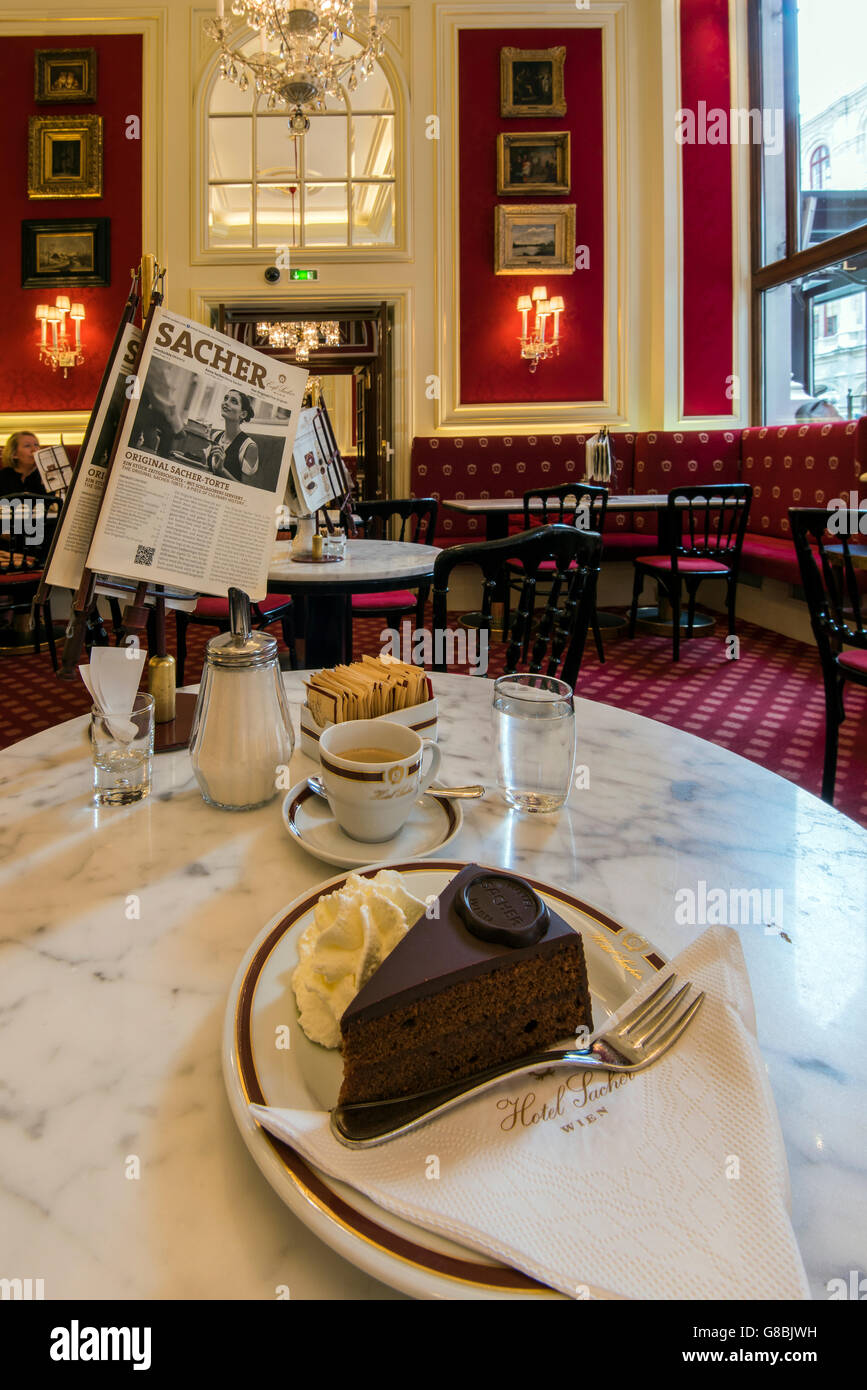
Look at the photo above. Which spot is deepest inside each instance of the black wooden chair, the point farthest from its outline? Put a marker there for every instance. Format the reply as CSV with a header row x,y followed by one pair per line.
x,y
27,522
561,631
565,504
838,608
418,520
701,537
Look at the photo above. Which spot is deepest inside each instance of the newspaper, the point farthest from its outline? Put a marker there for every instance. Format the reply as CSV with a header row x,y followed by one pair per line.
x,y
82,505
202,463
55,470
318,473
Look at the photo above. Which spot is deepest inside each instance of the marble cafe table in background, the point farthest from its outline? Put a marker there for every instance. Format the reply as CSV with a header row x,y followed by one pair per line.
x,y
124,928
375,566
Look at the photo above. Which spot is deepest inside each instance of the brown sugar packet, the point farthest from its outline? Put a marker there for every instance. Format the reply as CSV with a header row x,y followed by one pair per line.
x,y
326,681
322,704
358,686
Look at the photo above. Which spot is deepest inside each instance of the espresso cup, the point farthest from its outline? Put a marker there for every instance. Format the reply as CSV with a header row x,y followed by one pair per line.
x,y
372,798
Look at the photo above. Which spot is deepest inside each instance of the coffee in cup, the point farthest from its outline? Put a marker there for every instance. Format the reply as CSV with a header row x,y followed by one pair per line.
x,y
373,777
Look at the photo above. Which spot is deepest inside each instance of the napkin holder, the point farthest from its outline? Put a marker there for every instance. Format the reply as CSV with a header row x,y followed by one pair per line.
x,y
422,718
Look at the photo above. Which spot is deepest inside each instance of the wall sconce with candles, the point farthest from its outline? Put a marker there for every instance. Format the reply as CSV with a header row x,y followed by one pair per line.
x,y
537,346
60,349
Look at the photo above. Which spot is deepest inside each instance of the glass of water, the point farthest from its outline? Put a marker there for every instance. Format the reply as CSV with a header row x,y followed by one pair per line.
x,y
123,750
534,733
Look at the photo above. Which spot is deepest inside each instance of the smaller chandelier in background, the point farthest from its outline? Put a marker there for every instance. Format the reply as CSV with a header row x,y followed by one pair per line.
x,y
299,63
61,349
300,338
537,346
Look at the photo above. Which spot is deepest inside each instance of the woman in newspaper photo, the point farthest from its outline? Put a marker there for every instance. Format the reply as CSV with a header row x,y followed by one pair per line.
x,y
232,453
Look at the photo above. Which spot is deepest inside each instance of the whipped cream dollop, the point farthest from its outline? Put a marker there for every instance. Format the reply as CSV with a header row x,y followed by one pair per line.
x,y
352,931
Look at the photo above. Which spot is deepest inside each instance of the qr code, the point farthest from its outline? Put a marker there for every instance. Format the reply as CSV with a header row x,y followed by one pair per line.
x,y
145,555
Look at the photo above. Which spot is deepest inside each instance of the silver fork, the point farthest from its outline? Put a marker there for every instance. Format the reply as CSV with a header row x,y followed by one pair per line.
x,y
641,1038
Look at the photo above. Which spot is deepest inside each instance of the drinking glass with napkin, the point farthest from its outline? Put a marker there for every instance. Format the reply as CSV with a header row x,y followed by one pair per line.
x,y
112,678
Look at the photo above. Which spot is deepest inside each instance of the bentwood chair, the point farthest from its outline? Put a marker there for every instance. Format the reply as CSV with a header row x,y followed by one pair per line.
x,y
418,519
214,612
565,504
561,631
27,522
701,537
830,570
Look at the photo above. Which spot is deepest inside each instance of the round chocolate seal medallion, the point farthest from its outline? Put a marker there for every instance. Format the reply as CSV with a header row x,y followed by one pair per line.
x,y
502,908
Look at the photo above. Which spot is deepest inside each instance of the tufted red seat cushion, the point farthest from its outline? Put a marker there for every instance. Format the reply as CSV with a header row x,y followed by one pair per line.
x,y
385,603
854,661
685,564
771,556
19,576
216,610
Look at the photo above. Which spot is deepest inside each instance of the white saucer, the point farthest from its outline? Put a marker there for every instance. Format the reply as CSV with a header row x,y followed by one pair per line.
x,y
432,825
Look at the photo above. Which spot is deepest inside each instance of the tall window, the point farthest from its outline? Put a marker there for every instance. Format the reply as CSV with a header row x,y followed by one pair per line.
x,y
820,167
810,210
333,187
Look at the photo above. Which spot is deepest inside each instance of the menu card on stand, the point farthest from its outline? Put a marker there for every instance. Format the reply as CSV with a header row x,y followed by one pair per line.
x,y
82,505
201,463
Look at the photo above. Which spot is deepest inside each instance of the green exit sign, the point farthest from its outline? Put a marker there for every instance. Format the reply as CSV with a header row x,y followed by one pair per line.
x,y
303,274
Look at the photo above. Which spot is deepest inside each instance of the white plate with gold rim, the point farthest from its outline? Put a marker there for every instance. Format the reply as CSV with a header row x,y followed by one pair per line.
x,y
431,826
267,1059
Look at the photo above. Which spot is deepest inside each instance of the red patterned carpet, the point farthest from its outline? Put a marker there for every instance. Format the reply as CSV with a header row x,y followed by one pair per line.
x,y
768,705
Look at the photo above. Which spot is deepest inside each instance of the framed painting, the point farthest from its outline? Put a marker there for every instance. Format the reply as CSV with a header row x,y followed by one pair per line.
x,y
537,163
65,74
531,81
64,253
535,237
65,157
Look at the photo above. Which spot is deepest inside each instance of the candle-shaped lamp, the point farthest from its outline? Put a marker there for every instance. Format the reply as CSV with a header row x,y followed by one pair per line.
x,y
42,315
76,313
540,294
525,304
557,306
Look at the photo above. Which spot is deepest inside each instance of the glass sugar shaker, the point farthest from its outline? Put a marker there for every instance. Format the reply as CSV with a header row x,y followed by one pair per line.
x,y
242,730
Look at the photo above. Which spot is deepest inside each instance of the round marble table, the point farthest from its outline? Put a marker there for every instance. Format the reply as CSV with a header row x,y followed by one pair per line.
x,y
125,926
370,567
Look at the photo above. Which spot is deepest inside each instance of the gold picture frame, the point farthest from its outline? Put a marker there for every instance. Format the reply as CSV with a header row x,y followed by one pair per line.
x,y
64,74
532,81
535,238
65,157
534,162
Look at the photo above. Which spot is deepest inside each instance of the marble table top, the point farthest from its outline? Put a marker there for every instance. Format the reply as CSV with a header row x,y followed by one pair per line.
x,y
366,562
124,928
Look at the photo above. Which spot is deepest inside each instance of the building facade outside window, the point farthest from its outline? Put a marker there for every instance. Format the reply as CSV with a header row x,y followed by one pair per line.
x,y
810,212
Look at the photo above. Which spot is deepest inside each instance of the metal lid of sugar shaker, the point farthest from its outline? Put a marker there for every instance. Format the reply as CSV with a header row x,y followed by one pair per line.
x,y
241,647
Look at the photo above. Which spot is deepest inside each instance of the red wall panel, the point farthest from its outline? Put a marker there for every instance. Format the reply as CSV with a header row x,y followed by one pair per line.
x,y
707,213
25,383
492,371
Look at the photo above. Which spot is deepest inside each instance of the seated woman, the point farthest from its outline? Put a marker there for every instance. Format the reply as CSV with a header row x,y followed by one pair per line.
x,y
232,453
19,472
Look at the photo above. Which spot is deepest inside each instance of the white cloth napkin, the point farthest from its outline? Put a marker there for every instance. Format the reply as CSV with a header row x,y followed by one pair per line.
x,y
670,1184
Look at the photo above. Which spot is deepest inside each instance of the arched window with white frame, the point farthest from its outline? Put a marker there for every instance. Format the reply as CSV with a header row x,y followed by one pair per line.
x,y
331,189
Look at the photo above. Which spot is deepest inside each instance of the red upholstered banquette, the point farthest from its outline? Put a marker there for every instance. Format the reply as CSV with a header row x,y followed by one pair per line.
x,y
788,466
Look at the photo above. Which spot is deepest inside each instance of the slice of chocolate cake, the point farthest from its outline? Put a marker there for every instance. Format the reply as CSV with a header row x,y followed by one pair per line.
x,y
487,975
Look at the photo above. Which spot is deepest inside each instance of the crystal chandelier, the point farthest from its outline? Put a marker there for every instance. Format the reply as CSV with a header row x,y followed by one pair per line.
x,y
300,338
299,61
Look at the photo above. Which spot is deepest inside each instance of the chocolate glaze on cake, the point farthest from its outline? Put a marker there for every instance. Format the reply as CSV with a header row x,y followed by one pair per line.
x,y
447,1003
440,950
